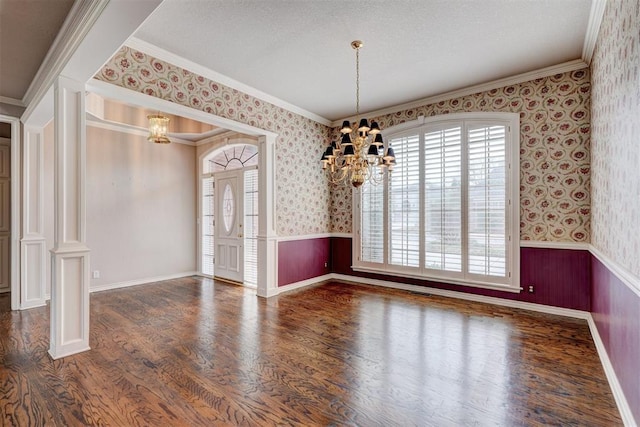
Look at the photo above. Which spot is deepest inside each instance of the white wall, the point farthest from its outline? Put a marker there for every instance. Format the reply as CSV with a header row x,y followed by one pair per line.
x,y
141,206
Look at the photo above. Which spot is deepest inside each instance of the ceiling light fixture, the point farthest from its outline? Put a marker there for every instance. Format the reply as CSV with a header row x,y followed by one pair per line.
x,y
158,128
363,157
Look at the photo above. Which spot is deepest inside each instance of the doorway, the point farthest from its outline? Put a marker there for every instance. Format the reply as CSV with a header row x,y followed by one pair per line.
x,y
5,218
229,201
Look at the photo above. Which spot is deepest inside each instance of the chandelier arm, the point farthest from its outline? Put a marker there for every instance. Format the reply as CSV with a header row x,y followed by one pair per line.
x,y
353,160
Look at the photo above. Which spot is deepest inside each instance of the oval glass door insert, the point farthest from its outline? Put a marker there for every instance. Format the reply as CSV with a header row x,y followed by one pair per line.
x,y
228,208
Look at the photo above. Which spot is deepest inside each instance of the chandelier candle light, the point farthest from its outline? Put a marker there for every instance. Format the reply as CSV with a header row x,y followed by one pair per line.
x,y
361,157
158,128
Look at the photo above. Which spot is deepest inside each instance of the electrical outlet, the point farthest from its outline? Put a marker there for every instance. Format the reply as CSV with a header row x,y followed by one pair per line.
x,y
530,289
326,264
96,274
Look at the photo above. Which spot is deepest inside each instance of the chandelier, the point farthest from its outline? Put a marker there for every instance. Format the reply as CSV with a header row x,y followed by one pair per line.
x,y
158,128
360,155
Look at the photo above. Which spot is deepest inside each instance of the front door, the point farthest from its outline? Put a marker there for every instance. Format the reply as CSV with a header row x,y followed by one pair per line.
x,y
5,213
228,238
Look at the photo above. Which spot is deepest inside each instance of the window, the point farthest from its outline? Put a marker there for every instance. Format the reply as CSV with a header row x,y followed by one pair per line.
x,y
449,211
207,225
251,227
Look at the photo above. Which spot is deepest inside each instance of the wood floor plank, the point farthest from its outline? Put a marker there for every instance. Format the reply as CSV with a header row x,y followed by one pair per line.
x,y
192,352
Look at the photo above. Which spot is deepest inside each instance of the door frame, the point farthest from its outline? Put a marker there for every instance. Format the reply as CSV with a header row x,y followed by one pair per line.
x,y
266,142
14,246
220,142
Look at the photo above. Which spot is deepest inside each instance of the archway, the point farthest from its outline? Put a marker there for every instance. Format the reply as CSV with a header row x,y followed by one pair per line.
x,y
236,156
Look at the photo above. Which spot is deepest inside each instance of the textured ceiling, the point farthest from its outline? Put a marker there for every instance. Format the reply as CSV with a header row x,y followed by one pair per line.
x,y
299,50
27,30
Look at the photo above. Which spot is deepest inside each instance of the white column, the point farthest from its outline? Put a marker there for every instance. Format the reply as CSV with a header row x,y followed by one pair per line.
x,y
267,235
70,255
32,244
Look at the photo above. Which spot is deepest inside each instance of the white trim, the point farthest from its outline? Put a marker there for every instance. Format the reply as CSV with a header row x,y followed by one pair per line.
x,y
623,406
137,282
267,247
510,282
541,308
614,384
70,349
593,28
14,240
314,236
181,62
554,245
578,314
218,142
342,235
132,97
443,279
523,243
11,101
308,237
75,27
303,283
223,134
565,67
625,276
95,122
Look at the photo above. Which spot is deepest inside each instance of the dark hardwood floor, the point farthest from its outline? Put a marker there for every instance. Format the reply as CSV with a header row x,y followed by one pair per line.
x,y
192,352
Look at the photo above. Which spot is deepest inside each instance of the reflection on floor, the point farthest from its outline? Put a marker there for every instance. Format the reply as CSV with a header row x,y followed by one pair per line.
x,y
196,352
5,302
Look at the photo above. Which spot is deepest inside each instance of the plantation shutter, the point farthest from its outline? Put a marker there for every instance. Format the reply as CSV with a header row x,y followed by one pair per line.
x,y
207,226
443,197
404,203
372,223
448,211
251,226
487,200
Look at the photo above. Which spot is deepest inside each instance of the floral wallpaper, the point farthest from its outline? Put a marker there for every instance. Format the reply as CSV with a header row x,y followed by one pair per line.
x,y
554,153
302,205
616,130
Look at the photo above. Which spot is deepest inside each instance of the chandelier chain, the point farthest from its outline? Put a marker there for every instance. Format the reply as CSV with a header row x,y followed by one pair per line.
x,y
358,82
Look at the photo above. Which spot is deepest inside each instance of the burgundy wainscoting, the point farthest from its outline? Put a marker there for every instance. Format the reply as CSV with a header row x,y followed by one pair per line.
x,y
616,312
303,259
561,277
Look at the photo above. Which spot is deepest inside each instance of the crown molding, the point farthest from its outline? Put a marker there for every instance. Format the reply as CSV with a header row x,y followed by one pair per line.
x,y
81,18
181,62
565,67
593,28
11,101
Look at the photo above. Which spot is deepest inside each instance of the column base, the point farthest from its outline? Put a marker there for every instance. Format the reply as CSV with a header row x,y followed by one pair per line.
x,y
69,301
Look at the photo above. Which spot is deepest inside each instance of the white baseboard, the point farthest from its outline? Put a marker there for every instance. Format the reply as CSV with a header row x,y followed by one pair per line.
x,y
616,389
302,284
579,314
136,282
621,401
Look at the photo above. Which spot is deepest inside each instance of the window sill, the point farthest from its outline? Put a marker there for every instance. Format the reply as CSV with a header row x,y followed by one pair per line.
x,y
437,279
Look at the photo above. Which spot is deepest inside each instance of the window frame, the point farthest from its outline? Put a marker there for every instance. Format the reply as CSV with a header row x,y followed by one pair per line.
x,y
420,126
